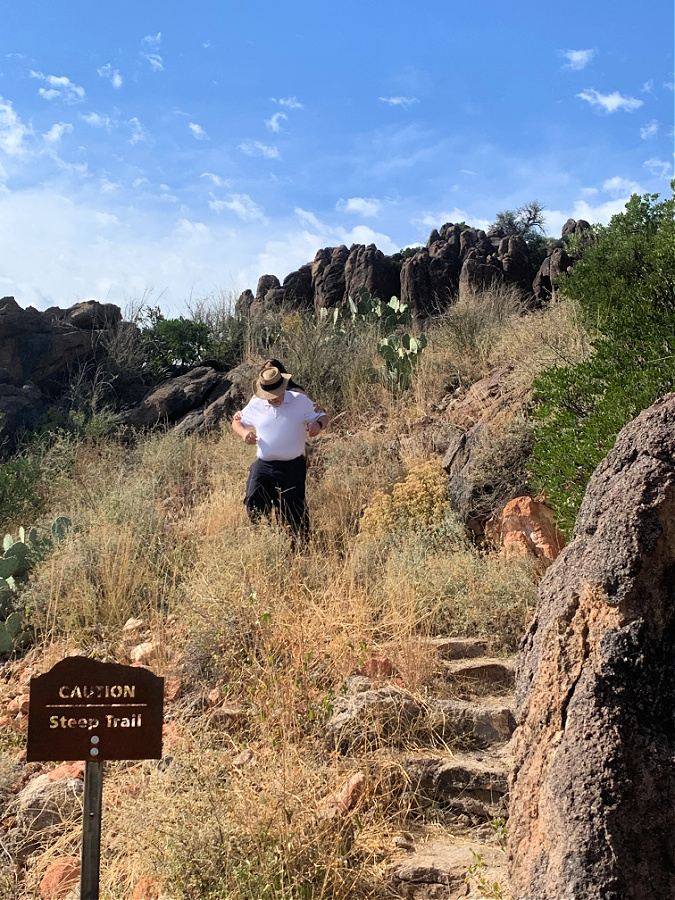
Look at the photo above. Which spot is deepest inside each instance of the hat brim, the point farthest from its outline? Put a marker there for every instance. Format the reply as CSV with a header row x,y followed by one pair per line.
x,y
276,392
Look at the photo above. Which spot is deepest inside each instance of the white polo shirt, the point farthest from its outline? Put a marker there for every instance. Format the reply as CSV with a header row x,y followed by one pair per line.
x,y
280,429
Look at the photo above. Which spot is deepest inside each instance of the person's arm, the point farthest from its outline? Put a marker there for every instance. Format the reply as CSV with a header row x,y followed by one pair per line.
x,y
245,432
314,428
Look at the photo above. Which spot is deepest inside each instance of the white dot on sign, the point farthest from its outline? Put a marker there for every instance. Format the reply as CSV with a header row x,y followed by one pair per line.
x,y
94,751
94,739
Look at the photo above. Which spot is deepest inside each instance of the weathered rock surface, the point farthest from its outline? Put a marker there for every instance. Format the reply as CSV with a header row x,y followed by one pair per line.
x,y
526,527
198,401
20,405
443,870
33,349
44,804
593,787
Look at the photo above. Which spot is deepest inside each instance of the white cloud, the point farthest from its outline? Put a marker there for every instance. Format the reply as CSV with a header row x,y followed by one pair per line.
x,y
273,123
588,191
97,121
151,43
610,102
138,133
56,132
59,86
669,85
255,148
198,132
206,44
577,59
467,172
309,218
241,204
429,219
13,132
621,187
290,103
647,87
111,74
359,205
399,101
659,167
650,130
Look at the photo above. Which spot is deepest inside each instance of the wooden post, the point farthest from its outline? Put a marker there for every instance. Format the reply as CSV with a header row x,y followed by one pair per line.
x,y
91,830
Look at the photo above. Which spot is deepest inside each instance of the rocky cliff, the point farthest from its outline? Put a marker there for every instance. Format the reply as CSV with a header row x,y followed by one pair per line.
x,y
455,261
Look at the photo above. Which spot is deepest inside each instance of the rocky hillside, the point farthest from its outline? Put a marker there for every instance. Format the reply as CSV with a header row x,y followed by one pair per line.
x,y
455,261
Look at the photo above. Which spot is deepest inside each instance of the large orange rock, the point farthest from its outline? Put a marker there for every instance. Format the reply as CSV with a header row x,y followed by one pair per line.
x,y
526,527
60,878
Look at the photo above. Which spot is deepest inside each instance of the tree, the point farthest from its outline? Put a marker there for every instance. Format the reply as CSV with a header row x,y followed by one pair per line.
x,y
526,220
625,285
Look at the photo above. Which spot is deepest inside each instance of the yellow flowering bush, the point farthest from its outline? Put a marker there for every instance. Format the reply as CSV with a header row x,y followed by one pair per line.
x,y
420,502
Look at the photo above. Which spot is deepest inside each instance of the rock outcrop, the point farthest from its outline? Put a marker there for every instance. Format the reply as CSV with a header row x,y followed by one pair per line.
x,y
195,402
593,785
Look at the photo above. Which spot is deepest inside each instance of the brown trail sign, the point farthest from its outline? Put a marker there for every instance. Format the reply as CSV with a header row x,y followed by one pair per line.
x,y
85,709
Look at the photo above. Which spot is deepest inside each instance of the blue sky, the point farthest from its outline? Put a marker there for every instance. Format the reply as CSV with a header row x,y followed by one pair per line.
x,y
167,151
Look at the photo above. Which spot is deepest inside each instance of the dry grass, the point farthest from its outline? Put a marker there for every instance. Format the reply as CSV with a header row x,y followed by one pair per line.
x,y
161,534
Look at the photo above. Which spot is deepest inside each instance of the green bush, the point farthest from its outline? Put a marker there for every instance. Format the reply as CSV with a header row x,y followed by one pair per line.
x,y
625,284
19,497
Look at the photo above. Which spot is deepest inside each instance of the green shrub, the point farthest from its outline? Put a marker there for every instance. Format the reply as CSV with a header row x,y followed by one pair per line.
x,y
625,285
19,496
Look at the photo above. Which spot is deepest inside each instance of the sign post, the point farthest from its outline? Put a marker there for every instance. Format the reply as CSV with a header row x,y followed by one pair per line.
x,y
87,710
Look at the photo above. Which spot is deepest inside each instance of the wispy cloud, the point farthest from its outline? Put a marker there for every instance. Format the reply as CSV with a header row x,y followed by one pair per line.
x,y
362,206
111,74
59,86
13,132
428,219
610,102
577,59
273,123
241,205
399,101
216,179
56,132
97,121
659,167
669,85
198,132
647,87
150,46
138,133
650,130
290,103
255,148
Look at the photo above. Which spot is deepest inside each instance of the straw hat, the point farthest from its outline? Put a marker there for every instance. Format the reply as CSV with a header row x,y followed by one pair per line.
x,y
271,383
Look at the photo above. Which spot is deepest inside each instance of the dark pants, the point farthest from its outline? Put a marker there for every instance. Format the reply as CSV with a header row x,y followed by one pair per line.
x,y
279,484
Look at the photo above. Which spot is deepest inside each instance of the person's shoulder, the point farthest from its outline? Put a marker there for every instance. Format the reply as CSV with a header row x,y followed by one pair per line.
x,y
298,398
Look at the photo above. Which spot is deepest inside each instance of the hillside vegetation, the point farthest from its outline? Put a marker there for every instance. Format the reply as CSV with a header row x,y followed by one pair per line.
x,y
236,620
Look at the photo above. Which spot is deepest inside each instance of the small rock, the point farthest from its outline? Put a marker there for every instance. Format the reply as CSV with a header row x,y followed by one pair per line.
x,y
67,770
404,841
345,799
144,653
133,625
377,667
173,688
146,889
59,879
19,705
243,759
229,712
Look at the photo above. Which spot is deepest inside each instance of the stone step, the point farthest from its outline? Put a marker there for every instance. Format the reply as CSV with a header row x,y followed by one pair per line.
x,y
472,785
390,716
450,870
482,671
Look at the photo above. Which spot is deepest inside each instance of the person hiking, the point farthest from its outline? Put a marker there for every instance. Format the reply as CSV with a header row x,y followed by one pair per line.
x,y
276,420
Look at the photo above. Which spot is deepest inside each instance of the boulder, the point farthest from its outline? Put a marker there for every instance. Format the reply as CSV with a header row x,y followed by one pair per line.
x,y
177,397
592,810
328,276
32,349
298,288
20,407
368,267
526,527
45,804
211,415
89,315
60,878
